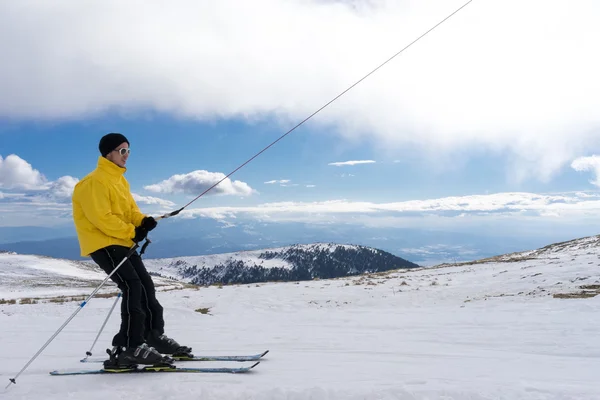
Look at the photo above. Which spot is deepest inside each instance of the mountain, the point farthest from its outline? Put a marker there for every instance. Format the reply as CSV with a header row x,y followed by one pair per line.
x,y
290,263
591,243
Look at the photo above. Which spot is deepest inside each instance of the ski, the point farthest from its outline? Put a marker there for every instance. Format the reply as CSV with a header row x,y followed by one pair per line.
x,y
253,357
153,369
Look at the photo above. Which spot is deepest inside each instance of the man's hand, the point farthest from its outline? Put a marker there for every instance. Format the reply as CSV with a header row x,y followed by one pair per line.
x,y
140,233
149,223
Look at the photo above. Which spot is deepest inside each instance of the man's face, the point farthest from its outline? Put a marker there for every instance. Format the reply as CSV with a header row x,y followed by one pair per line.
x,y
119,155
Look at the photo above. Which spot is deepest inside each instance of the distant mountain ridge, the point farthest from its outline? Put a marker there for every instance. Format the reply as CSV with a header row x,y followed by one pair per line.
x,y
591,243
289,263
183,238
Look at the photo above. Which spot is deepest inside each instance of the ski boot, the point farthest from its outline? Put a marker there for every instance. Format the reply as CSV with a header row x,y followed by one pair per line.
x,y
165,345
113,365
128,358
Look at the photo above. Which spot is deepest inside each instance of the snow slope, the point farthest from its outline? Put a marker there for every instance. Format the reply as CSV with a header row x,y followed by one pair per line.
x,y
523,326
42,278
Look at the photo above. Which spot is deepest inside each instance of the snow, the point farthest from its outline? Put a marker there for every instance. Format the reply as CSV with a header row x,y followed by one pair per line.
x,y
34,276
476,331
27,275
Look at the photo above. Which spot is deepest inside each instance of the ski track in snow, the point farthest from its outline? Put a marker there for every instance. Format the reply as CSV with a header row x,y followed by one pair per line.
x,y
488,331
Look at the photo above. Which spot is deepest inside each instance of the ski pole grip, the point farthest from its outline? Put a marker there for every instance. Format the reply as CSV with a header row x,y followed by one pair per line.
x,y
148,241
171,214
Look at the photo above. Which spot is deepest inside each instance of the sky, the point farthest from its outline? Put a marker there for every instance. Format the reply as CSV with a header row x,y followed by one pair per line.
x,y
488,120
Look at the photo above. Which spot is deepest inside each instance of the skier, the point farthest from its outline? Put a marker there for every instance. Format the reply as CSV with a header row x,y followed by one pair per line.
x,y
108,222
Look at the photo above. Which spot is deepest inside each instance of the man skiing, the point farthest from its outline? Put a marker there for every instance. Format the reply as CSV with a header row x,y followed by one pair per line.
x,y
108,222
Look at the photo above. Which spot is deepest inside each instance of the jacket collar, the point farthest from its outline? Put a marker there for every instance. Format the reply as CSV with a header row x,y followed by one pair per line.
x,y
110,167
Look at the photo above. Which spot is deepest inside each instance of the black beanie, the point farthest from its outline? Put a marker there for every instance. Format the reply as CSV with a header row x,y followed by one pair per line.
x,y
110,142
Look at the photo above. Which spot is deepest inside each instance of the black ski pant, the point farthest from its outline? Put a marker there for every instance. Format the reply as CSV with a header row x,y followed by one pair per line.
x,y
141,312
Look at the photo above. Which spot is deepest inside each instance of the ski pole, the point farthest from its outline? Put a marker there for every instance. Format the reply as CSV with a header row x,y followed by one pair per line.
x,y
129,253
89,352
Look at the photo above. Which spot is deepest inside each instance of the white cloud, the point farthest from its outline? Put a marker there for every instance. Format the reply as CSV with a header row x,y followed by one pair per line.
x,y
52,194
63,187
39,201
16,173
152,200
591,163
518,213
499,206
282,183
36,213
343,163
469,85
196,182
14,197
52,206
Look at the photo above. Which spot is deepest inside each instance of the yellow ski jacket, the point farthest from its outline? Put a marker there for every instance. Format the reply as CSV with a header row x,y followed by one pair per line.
x,y
104,212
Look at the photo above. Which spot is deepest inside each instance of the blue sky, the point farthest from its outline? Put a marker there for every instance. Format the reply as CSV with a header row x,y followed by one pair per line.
x,y
476,126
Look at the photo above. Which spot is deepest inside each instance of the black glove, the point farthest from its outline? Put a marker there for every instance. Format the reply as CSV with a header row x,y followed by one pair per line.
x,y
140,233
149,223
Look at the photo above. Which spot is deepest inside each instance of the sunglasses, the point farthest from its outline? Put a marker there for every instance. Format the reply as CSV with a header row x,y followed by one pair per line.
x,y
123,151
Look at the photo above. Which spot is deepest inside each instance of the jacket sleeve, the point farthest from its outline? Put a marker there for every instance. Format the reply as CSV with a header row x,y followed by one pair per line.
x,y
95,202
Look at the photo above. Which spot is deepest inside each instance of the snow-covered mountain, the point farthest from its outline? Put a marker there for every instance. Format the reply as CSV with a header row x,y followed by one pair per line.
x,y
591,243
289,263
